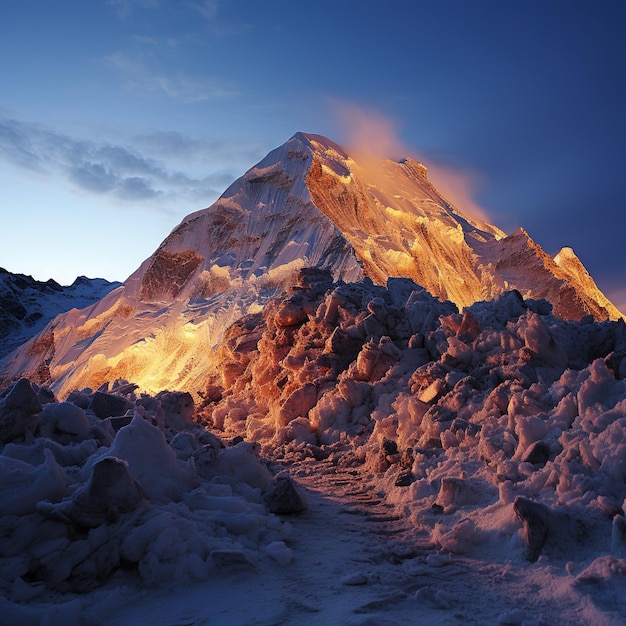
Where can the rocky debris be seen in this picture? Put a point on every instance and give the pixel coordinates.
(110, 492)
(538, 453)
(457, 411)
(473, 425)
(80, 500)
(543, 526)
(178, 409)
(404, 479)
(329, 349)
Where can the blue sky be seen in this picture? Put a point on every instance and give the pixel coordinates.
(120, 117)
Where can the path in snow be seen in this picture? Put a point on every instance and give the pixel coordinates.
(357, 563)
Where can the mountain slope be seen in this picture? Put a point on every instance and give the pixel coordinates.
(309, 202)
(27, 305)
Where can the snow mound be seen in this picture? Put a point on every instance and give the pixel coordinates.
(86, 499)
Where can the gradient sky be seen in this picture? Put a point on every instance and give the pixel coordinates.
(120, 117)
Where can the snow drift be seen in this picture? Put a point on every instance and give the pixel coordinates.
(87, 496)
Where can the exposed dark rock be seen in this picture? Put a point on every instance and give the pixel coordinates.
(319, 454)
(535, 519)
(390, 447)
(120, 422)
(468, 427)
(22, 396)
(315, 279)
(178, 408)
(110, 492)
(27, 305)
(538, 453)
(19, 407)
(168, 273)
(404, 479)
(107, 405)
(283, 498)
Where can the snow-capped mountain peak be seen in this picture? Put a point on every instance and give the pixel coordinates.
(309, 202)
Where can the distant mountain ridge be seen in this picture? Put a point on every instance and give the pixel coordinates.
(309, 202)
(27, 305)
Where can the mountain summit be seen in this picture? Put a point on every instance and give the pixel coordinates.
(309, 202)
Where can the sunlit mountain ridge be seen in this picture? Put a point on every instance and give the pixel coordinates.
(309, 202)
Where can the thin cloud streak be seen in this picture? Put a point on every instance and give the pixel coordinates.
(209, 12)
(124, 8)
(229, 152)
(137, 76)
(105, 168)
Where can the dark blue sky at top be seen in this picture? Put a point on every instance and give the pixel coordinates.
(527, 96)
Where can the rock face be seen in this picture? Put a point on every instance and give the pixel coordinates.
(308, 203)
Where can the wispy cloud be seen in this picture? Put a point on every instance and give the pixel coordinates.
(209, 11)
(138, 75)
(124, 8)
(228, 152)
(125, 172)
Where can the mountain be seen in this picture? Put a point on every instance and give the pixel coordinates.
(27, 305)
(309, 202)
